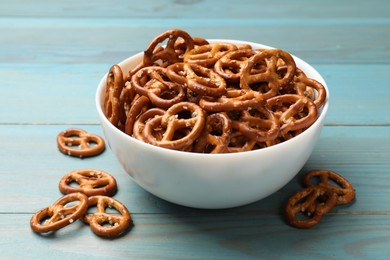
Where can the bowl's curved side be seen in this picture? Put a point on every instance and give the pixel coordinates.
(210, 181)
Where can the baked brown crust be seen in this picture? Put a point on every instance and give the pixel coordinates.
(79, 143)
(91, 182)
(59, 215)
(107, 224)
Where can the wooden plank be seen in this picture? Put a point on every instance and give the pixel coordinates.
(220, 9)
(32, 167)
(44, 93)
(358, 94)
(205, 236)
(83, 41)
(64, 93)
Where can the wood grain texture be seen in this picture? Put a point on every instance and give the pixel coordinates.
(183, 236)
(197, 9)
(83, 41)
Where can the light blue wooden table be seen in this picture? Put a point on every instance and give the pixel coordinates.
(52, 56)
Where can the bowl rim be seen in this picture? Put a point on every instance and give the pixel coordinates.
(320, 119)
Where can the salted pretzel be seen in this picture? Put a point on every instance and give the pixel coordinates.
(153, 82)
(258, 123)
(181, 116)
(323, 190)
(177, 73)
(79, 143)
(139, 124)
(269, 59)
(60, 214)
(107, 224)
(215, 137)
(293, 111)
(114, 86)
(200, 80)
(233, 99)
(230, 65)
(207, 55)
(307, 206)
(167, 95)
(90, 182)
(164, 56)
(331, 181)
(204, 81)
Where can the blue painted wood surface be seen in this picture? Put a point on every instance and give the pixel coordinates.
(52, 56)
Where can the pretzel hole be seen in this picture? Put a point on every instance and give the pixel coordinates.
(234, 114)
(334, 183)
(108, 223)
(180, 49)
(108, 209)
(232, 69)
(216, 132)
(259, 67)
(259, 145)
(73, 145)
(304, 215)
(73, 136)
(91, 209)
(179, 134)
(215, 127)
(281, 71)
(303, 200)
(165, 41)
(168, 94)
(112, 210)
(209, 148)
(158, 133)
(224, 48)
(304, 112)
(280, 108)
(261, 87)
(310, 93)
(92, 144)
(316, 180)
(73, 184)
(257, 114)
(184, 114)
(44, 220)
(71, 204)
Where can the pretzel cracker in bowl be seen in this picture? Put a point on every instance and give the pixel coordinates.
(239, 134)
(216, 77)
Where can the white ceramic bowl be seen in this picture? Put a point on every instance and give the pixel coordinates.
(211, 180)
